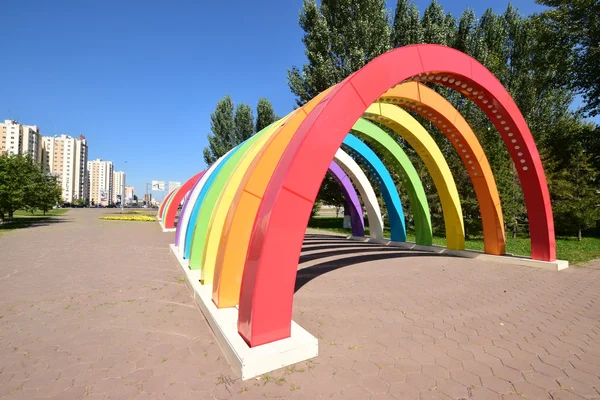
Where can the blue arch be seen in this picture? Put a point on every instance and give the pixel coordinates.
(363, 154)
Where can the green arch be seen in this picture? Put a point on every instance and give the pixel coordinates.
(211, 198)
(401, 163)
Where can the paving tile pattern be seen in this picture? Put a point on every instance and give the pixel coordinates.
(95, 309)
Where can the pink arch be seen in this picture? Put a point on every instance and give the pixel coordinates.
(267, 290)
(171, 211)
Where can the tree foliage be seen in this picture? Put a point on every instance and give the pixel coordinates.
(243, 122)
(573, 36)
(265, 115)
(222, 126)
(24, 186)
(232, 125)
(340, 37)
(531, 56)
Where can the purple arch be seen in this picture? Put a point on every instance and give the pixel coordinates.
(185, 205)
(352, 202)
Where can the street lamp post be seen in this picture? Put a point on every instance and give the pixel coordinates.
(147, 199)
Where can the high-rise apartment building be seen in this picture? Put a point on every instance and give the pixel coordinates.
(67, 158)
(100, 182)
(20, 139)
(118, 187)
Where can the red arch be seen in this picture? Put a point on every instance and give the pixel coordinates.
(171, 211)
(164, 203)
(267, 290)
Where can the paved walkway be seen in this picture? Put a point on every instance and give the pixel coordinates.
(95, 309)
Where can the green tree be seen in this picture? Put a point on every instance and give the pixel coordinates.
(340, 37)
(575, 197)
(223, 136)
(48, 193)
(265, 115)
(19, 184)
(435, 25)
(406, 28)
(574, 25)
(330, 193)
(244, 123)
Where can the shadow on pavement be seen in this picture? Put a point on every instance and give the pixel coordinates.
(305, 275)
(22, 222)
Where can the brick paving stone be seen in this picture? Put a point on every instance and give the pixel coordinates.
(497, 385)
(433, 395)
(530, 391)
(583, 376)
(98, 310)
(374, 384)
(482, 393)
(578, 388)
(564, 395)
(508, 374)
(420, 381)
(403, 391)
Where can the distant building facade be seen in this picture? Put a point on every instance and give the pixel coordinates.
(20, 139)
(118, 188)
(129, 193)
(66, 158)
(100, 182)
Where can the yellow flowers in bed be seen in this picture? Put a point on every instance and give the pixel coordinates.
(144, 218)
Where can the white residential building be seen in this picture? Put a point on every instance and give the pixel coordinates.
(20, 139)
(100, 182)
(66, 158)
(118, 187)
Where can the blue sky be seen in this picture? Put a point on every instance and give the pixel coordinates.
(140, 78)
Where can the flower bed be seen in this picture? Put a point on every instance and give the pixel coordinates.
(143, 218)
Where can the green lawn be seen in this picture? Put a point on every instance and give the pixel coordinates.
(51, 213)
(24, 219)
(567, 248)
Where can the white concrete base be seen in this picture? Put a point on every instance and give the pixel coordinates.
(505, 259)
(247, 362)
(184, 263)
(166, 229)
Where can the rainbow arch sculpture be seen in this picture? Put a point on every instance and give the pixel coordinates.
(168, 209)
(244, 221)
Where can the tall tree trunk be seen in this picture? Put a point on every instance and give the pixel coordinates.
(10, 215)
(579, 235)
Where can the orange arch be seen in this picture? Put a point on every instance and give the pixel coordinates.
(429, 104)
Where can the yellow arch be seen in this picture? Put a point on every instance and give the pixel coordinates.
(231, 257)
(409, 128)
(219, 214)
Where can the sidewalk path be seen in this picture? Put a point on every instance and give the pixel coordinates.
(94, 309)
